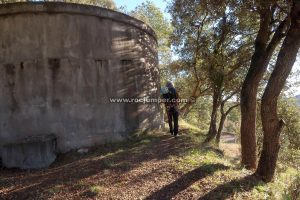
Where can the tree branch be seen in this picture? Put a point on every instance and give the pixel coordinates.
(278, 35)
(199, 31)
(231, 108)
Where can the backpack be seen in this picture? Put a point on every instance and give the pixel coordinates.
(172, 94)
(170, 97)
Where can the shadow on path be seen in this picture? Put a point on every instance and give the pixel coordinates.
(228, 189)
(73, 167)
(186, 181)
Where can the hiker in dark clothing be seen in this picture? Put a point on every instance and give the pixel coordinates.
(171, 103)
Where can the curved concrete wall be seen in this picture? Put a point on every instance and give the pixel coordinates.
(60, 64)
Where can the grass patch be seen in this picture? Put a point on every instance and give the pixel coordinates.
(108, 163)
(184, 125)
(3, 182)
(196, 187)
(96, 189)
(55, 189)
(145, 141)
(80, 185)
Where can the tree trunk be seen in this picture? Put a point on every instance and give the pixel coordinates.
(196, 91)
(213, 119)
(272, 125)
(221, 125)
(248, 118)
(259, 62)
(184, 110)
(223, 118)
(248, 100)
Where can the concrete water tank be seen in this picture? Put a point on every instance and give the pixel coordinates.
(59, 66)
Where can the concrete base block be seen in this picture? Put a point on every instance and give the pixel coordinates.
(30, 153)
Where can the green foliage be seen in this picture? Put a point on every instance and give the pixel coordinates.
(200, 114)
(149, 13)
(284, 187)
(290, 113)
(233, 121)
(289, 154)
(293, 191)
(215, 48)
(183, 79)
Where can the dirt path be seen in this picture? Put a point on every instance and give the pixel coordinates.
(141, 169)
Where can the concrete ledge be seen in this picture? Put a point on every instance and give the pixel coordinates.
(71, 8)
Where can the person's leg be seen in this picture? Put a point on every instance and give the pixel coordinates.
(169, 112)
(175, 118)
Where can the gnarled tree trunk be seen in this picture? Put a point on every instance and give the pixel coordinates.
(272, 125)
(259, 62)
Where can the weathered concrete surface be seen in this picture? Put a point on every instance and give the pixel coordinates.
(30, 153)
(60, 64)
